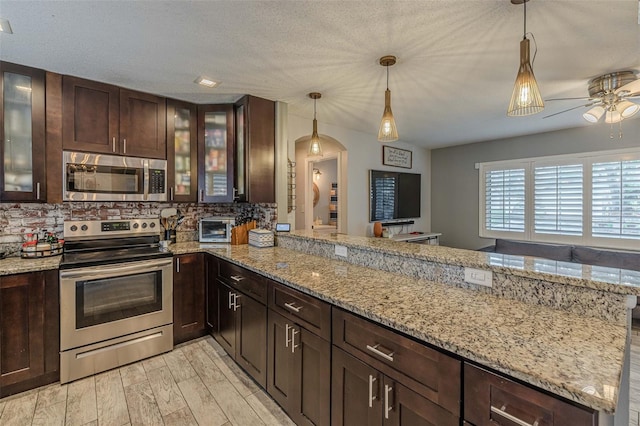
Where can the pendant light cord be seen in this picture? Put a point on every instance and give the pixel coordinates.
(314, 109)
(535, 44)
(525, 20)
(387, 66)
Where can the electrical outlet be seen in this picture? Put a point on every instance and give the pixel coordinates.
(478, 276)
(341, 251)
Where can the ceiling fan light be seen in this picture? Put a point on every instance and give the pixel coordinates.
(594, 114)
(388, 131)
(627, 109)
(612, 116)
(526, 98)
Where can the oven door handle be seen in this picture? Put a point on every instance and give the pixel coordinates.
(116, 269)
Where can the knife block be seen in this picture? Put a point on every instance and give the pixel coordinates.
(240, 233)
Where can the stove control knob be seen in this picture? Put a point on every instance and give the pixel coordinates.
(84, 227)
(144, 225)
(73, 228)
(135, 226)
(152, 225)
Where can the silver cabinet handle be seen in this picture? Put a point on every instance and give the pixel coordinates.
(293, 307)
(510, 417)
(236, 278)
(293, 340)
(378, 352)
(230, 300)
(235, 302)
(113, 144)
(124, 144)
(387, 407)
(371, 395)
(286, 332)
(178, 264)
(171, 193)
(38, 191)
(202, 195)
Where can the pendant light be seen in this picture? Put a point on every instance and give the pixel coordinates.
(388, 131)
(526, 99)
(315, 150)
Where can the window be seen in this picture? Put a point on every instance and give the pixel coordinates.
(590, 199)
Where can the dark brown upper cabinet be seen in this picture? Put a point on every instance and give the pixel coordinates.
(215, 153)
(182, 151)
(98, 117)
(255, 150)
(22, 128)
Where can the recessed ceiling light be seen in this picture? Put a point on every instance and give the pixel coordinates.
(5, 26)
(206, 81)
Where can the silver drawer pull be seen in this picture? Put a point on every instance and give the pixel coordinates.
(512, 418)
(236, 278)
(378, 352)
(235, 302)
(293, 340)
(371, 395)
(293, 307)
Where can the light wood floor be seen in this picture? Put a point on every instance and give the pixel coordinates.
(195, 384)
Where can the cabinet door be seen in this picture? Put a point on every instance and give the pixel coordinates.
(251, 337)
(312, 363)
(404, 407)
(143, 125)
(226, 334)
(89, 116)
(182, 151)
(188, 297)
(211, 272)
(255, 150)
(215, 153)
(22, 129)
(22, 309)
(281, 374)
(356, 397)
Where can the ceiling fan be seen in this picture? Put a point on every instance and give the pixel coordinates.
(609, 96)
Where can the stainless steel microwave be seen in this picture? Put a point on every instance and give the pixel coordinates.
(215, 229)
(99, 177)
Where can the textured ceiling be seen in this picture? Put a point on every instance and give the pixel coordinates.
(457, 59)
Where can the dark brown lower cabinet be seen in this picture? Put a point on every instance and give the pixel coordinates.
(188, 297)
(362, 395)
(490, 399)
(242, 330)
(211, 290)
(299, 371)
(29, 331)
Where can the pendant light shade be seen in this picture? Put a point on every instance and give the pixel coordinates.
(388, 131)
(525, 99)
(315, 149)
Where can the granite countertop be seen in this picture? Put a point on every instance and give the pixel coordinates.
(17, 265)
(613, 280)
(569, 355)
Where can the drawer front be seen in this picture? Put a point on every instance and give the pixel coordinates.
(490, 399)
(311, 313)
(248, 282)
(427, 371)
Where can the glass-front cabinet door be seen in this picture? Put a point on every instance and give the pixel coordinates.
(22, 127)
(182, 151)
(215, 146)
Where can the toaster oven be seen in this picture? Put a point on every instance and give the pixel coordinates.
(215, 229)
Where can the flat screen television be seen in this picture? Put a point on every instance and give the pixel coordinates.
(393, 195)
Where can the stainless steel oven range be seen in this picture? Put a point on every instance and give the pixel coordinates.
(116, 295)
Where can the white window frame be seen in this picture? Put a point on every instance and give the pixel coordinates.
(587, 160)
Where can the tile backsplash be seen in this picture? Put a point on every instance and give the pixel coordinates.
(19, 219)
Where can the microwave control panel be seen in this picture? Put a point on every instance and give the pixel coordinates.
(156, 181)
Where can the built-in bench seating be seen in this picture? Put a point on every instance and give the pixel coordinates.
(567, 253)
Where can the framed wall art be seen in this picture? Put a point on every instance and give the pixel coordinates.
(396, 157)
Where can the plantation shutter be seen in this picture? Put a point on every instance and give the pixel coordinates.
(558, 199)
(504, 200)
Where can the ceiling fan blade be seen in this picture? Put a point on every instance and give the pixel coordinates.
(584, 98)
(633, 87)
(570, 109)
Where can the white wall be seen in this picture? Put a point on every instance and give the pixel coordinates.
(365, 153)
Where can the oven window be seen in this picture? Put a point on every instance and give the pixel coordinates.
(110, 299)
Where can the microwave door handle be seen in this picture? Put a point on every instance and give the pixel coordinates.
(146, 180)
